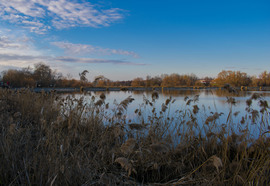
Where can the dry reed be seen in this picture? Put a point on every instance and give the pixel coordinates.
(46, 139)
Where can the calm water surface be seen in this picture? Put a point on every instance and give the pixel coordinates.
(210, 101)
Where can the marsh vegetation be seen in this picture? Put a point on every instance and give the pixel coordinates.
(50, 139)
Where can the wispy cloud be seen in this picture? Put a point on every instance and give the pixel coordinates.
(93, 60)
(6, 43)
(18, 51)
(21, 43)
(12, 44)
(77, 49)
(40, 16)
(16, 57)
(18, 60)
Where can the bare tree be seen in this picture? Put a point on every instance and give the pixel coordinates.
(83, 78)
(43, 74)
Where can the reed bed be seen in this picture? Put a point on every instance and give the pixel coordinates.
(46, 139)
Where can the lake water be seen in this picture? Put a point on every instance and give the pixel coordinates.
(209, 102)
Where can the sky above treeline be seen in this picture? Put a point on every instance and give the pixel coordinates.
(125, 39)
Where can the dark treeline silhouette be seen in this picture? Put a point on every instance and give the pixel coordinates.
(43, 76)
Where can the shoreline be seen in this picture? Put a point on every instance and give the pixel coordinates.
(94, 89)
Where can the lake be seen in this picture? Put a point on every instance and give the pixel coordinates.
(208, 101)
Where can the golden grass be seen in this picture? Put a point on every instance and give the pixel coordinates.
(46, 139)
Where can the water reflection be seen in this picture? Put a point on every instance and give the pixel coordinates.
(187, 92)
(209, 103)
(216, 100)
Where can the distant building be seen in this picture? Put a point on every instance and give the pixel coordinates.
(206, 82)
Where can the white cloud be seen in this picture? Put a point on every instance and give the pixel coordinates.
(7, 58)
(17, 44)
(8, 43)
(19, 60)
(17, 50)
(93, 60)
(41, 15)
(77, 49)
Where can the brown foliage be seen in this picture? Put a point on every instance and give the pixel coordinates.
(234, 78)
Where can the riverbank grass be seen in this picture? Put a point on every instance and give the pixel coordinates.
(50, 140)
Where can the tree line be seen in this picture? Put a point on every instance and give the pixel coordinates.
(43, 76)
(237, 79)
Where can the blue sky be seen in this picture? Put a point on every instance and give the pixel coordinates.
(125, 39)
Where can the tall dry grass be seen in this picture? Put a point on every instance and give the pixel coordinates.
(50, 140)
